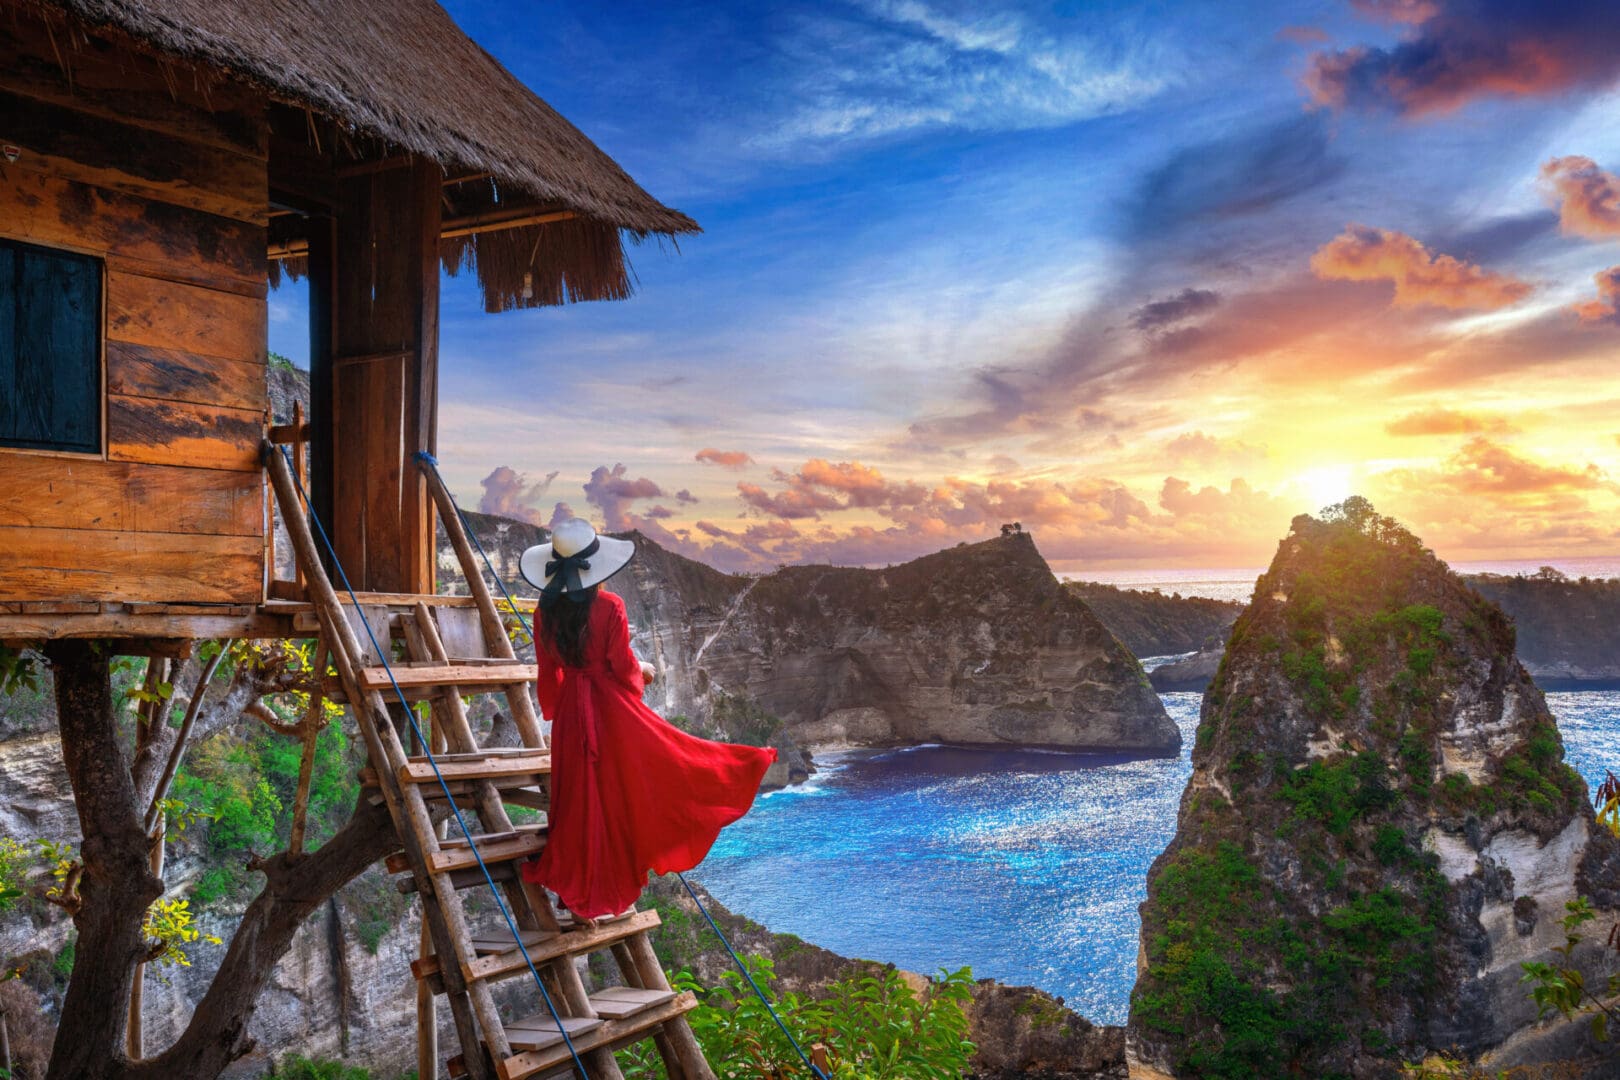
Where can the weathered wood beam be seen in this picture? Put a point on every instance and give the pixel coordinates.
(465, 225)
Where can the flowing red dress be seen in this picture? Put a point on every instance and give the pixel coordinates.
(629, 791)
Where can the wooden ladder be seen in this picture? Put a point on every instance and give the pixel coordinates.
(452, 651)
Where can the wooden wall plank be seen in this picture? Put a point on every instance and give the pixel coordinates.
(75, 493)
(181, 433)
(145, 371)
(162, 239)
(94, 150)
(172, 315)
(111, 82)
(92, 564)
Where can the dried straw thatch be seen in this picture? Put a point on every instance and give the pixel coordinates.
(402, 72)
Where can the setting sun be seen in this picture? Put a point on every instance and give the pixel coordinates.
(1325, 485)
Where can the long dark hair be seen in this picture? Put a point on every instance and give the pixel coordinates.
(564, 620)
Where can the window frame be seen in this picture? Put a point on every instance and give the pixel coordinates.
(100, 453)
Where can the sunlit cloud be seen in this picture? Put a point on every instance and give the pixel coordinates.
(1587, 197)
(1362, 253)
(1606, 308)
(726, 459)
(1443, 421)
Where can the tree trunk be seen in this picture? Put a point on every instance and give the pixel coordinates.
(296, 887)
(118, 884)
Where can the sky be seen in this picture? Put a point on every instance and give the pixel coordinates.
(1148, 278)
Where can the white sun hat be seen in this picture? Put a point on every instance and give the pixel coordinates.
(576, 559)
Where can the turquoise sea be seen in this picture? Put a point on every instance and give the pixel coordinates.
(1026, 866)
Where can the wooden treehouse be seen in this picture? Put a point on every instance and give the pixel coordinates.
(160, 162)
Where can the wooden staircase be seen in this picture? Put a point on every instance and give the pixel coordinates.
(451, 652)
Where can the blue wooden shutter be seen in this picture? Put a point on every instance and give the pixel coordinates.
(50, 349)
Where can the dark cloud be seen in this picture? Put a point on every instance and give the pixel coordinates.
(1239, 174)
(510, 494)
(612, 491)
(1498, 238)
(685, 496)
(659, 512)
(1157, 314)
(1458, 51)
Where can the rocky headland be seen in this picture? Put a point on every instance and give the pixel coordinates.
(1379, 829)
(975, 645)
(1569, 629)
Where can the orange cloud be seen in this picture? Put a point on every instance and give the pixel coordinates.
(1587, 197)
(790, 503)
(1485, 467)
(1606, 308)
(1443, 421)
(726, 459)
(1362, 253)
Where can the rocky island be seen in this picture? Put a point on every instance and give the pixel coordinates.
(1379, 829)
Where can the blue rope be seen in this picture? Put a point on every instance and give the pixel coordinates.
(427, 746)
(432, 463)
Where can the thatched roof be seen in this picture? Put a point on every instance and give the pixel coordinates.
(401, 71)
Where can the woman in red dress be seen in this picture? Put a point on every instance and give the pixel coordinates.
(629, 791)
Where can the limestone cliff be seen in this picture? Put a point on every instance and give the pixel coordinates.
(1568, 630)
(1378, 830)
(1152, 623)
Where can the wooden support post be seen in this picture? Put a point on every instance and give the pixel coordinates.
(678, 1031)
(386, 299)
(310, 730)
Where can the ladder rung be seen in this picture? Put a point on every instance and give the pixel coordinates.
(419, 770)
(509, 849)
(611, 1035)
(540, 1031)
(622, 1002)
(497, 941)
(472, 878)
(501, 965)
(459, 675)
(490, 838)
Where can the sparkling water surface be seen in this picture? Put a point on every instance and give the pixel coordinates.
(1027, 866)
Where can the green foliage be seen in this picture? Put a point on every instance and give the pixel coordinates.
(1336, 794)
(1560, 986)
(298, 1067)
(874, 1027)
(19, 670)
(16, 859)
(215, 883)
(245, 782)
(742, 720)
(169, 927)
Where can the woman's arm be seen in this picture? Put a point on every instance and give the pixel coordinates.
(621, 661)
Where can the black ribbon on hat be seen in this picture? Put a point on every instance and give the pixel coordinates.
(562, 574)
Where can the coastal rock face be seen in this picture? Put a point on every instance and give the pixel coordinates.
(1568, 630)
(1151, 623)
(975, 645)
(1378, 830)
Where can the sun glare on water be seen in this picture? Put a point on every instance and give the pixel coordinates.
(1325, 485)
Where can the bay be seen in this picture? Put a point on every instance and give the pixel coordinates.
(1027, 866)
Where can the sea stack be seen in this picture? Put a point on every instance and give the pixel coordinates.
(1379, 830)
